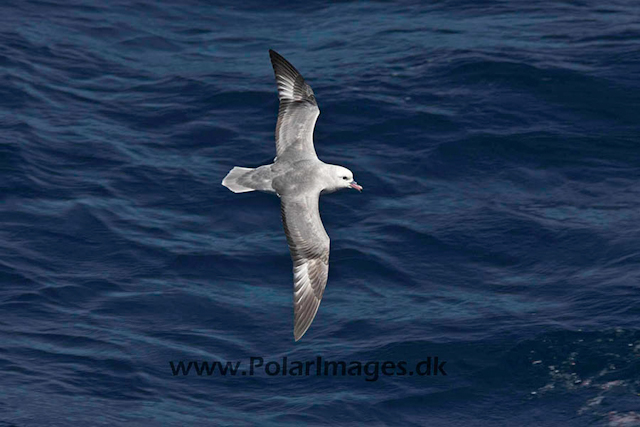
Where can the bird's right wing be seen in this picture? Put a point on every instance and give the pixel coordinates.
(298, 111)
(309, 247)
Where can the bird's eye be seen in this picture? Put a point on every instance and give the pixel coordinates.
(344, 177)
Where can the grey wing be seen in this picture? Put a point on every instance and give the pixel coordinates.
(298, 111)
(309, 247)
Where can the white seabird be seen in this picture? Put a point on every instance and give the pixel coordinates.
(298, 177)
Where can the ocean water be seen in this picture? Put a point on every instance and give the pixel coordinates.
(499, 227)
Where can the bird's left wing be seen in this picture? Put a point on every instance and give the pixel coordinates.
(298, 111)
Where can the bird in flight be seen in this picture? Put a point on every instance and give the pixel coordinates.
(298, 177)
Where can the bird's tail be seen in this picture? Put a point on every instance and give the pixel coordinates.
(234, 178)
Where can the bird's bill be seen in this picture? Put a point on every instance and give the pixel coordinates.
(355, 185)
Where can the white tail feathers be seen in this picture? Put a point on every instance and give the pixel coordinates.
(231, 180)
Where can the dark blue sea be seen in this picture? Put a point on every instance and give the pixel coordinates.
(498, 230)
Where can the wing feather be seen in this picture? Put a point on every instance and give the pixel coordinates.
(297, 113)
(309, 246)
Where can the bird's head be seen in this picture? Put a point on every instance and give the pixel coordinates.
(340, 178)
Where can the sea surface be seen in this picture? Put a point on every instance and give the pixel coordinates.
(498, 230)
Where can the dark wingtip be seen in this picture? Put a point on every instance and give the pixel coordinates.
(275, 55)
(280, 64)
(291, 84)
